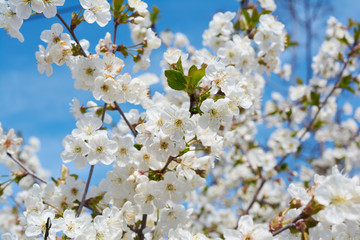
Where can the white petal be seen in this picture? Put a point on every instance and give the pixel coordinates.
(89, 16)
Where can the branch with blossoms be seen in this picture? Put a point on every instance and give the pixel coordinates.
(183, 164)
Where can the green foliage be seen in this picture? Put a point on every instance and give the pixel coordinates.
(345, 83)
(154, 15)
(175, 79)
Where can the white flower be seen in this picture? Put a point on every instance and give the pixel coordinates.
(71, 225)
(50, 7)
(44, 61)
(171, 56)
(36, 224)
(9, 142)
(173, 216)
(85, 70)
(181, 40)
(102, 150)
(9, 236)
(105, 89)
(215, 114)
(171, 187)
(10, 21)
(96, 10)
(248, 230)
(153, 42)
(87, 127)
(23, 8)
(340, 195)
(126, 150)
(140, 6)
(268, 5)
(112, 64)
(297, 92)
(221, 23)
(162, 147)
(76, 150)
(75, 108)
(270, 25)
(147, 195)
(55, 35)
(166, 37)
(177, 123)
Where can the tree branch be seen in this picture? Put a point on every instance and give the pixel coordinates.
(72, 34)
(290, 225)
(124, 117)
(83, 200)
(82, 203)
(26, 169)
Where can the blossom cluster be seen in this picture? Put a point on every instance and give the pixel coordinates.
(190, 164)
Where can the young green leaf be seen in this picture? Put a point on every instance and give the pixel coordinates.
(175, 79)
(117, 4)
(196, 76)
(179, 66)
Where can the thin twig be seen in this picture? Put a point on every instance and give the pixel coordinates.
(255, 196)
(85, 191)
(115, 33)
(47, 228)
(170, 159)
(103, 115)
(124, 117)
(72, 34)
(27, 170)
(308, 127)
(83, 200)
(290, 225)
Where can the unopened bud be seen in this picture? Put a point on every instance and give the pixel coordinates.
(295, 203)
(139, 20)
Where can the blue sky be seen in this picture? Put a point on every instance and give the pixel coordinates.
(38, 105)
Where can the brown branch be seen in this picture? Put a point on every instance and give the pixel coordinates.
(124, 117)
(263, 181)
(72, 34)
(290, 225)
(302, 135)
(26, 169)
(115, 33)
(83, 200)
(82, 203)
(170, 159)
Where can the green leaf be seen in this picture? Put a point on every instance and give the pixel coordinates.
(288, 113)
(179, 66)
(357, 33)
(318, 124)
(154, 16)
(284, 167)
(255, 16)
(315, 98)
(247, 16)
(243, 25)
(311, 222)
(191, 69)
(138, 146)
(117, 4)
(175, 79)
(350, 89)
(289, 43)
(265, 12)
(299, 81)
(345, 82)
(344, 41)
(196, 76)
